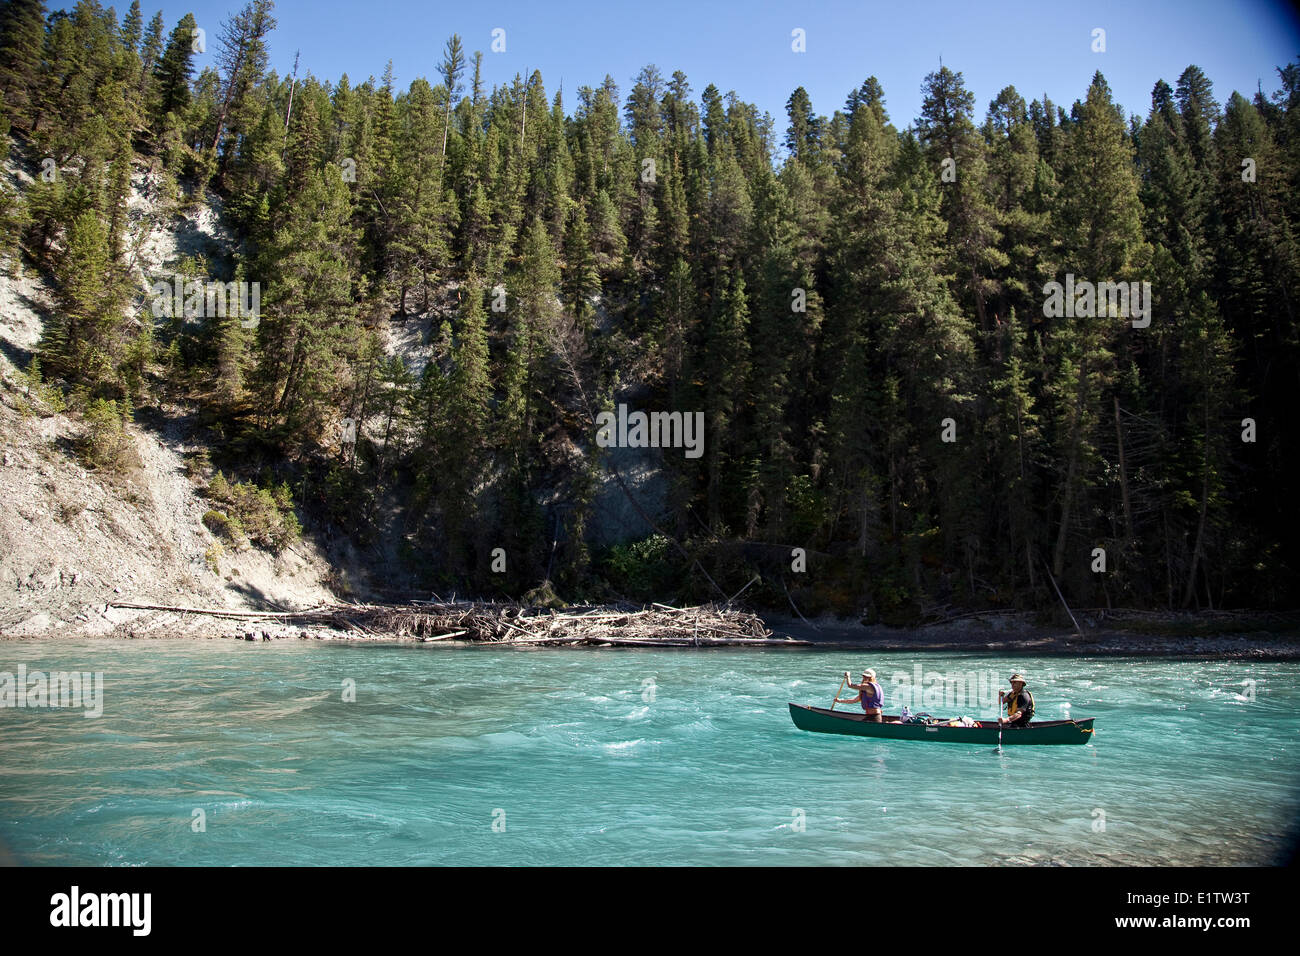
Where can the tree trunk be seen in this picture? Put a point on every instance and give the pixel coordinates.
(1205, 506)
(1067, 499)
(862, 520)
(1123, 475)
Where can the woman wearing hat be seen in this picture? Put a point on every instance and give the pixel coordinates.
(1019, 704)
(870, 695)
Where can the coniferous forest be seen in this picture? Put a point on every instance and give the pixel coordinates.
(858, 304)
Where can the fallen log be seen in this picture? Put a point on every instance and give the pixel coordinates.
(501, 622)
(215, 612)
(443, 637)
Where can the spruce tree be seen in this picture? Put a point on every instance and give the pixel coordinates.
(22, 36)
(172, 72)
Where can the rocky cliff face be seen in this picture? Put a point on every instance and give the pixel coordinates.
(73, 540)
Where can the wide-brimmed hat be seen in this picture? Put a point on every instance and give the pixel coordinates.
(869, 673)
(1016, 677)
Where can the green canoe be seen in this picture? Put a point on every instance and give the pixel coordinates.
(824, 721)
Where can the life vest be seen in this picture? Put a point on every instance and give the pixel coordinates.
(1013, 708)
(876, 700)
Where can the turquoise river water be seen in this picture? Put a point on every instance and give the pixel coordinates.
(221, 753)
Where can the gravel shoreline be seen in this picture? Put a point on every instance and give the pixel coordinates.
(1003, 634)
(997, 633)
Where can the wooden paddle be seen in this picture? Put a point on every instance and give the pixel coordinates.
(837, 693)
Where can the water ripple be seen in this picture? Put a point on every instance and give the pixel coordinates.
(494, 755)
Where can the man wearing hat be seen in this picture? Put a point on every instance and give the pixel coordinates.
(1019, 703)
(870, 695)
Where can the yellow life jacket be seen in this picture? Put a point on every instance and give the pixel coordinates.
(1012, 707)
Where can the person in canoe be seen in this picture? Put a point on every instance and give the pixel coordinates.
(1019, 704)
(870, 696)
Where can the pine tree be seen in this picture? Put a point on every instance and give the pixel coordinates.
(151, 48)
(78, 345)
(241, 59)
(607, 239)
(471, 380)
(173, 70)
(418, 246)
(724, 369)
(132, 27)
(1100, 224)
(1200, 114)
(451, 68)
(804, 132)
(310, 325)
(1257, 275)
(581, 277)
(645, 122)
(952, 144)
(1015, 437)
(22, 36)
(1017, 177)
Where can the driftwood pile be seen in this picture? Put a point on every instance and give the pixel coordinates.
(657, 625)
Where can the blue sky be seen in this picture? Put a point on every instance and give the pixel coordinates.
(1039, 48)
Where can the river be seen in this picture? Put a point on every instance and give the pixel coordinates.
(217, 753)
